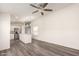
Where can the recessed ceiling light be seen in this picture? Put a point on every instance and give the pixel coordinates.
(29, 18)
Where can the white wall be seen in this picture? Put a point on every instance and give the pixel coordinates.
(60, 27)
(4, 31)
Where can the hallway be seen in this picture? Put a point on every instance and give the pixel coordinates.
(38, 48)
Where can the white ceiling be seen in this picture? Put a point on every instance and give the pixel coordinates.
(19, 10)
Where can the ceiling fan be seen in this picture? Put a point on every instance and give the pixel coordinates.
(40, 8)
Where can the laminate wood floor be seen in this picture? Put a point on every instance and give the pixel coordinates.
(38, 48)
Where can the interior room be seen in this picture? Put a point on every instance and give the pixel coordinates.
(39, 29)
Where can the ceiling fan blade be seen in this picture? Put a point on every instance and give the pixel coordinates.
(48, 10)
(42, 13)
(44, 5)
(34, 6)
(35, 11)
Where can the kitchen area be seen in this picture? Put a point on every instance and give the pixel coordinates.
(23, 30)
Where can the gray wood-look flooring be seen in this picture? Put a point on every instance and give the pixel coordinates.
(38, 48)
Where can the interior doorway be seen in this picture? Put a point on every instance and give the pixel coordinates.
(16, 33)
